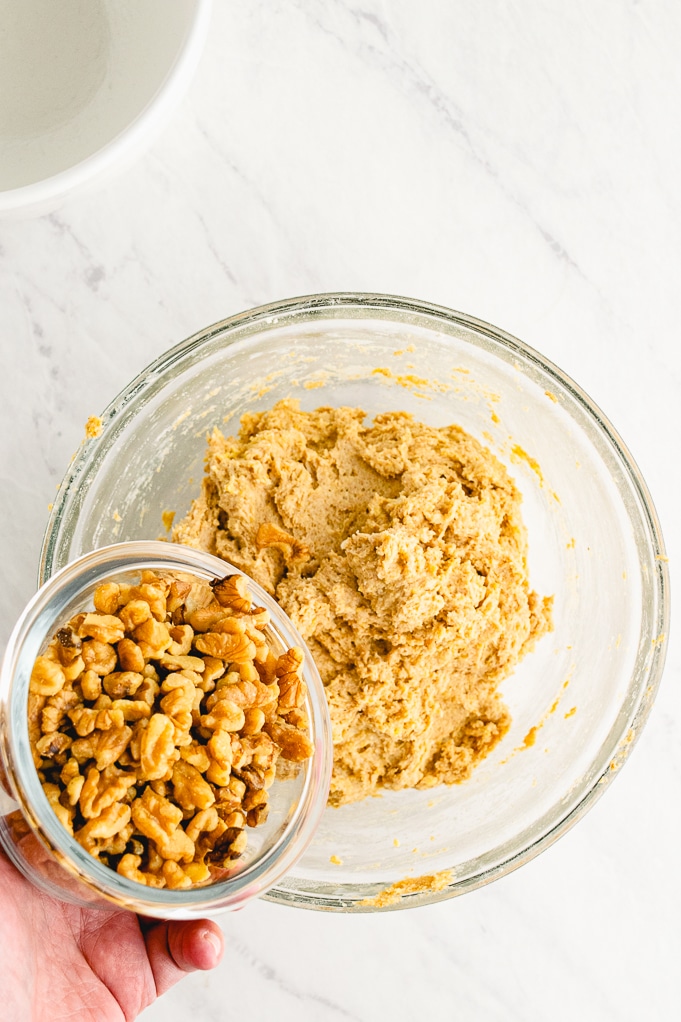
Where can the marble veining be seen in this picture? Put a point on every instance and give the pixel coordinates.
(519, 161)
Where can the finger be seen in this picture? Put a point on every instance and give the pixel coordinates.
(195, 945)
(177, 948)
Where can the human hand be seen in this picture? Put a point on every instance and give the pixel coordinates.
(63, 962)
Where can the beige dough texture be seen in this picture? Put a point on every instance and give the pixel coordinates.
(399, 552)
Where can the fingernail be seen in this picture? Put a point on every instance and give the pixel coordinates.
(214, 942)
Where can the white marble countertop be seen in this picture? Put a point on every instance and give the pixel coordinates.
(518, 161)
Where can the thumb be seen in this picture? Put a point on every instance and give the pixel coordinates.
(177, 948)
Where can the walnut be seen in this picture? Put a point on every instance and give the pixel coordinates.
(73, 781)
(135, 613)
(249, 671)
(189, 788)
(157, 747)
(298, 718)
(206, 820)
(107, 598)
(131, 709)
(295, 746)
(197, 871)
(232, 591)
(102, 789)
(34, 713)
(182, 636)
(254, 798)
(159, 820)
(169, 662)
(47, 678)
(110, 745)
(214, 669)
(248, 694)
(175, 877)
(177, 594)
(120, 684)
(254, 719)
(203, 619)
(102, 628)
(261, 750)
(65, 646)
(74, 670)
(226, 646)
(292, 692)
(152, 637)
(226, 715)
(74, 788)
(197, 755)
(65, 815)
(238, 844)
(235, 820)
(56, 708)
(230, 625)
(268, 669)
(109, 822)
(129, 866)
(148, 690)
(130, 656)
(256, 816)
(154, 593)
(178, 701)
(51, 745)
(293, 550)
(90, 685)
(220, 750)
(84, 720)
(84, 749)
(99, 657)
(289, 662)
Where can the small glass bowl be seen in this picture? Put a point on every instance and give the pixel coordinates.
(578, 701)
(31, 834)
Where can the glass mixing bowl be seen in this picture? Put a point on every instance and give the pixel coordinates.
(578, 701)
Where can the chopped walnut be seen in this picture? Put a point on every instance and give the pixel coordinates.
(156, 723)
(102, 627)
(292, 549)
(99, 657)
(232, 592)
(232, 648)
(47, 678)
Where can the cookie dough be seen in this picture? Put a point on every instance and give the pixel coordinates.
(399, 551)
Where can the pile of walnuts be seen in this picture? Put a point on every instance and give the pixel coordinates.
(157, 721)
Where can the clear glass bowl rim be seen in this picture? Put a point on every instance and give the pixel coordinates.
(644, 682)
